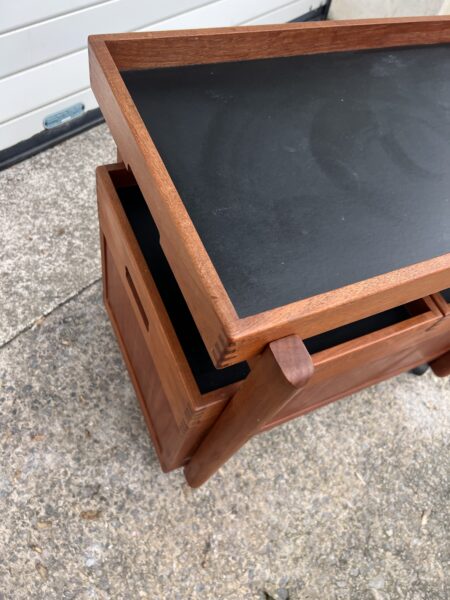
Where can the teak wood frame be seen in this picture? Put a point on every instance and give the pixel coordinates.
(228, 338)
(202, 431)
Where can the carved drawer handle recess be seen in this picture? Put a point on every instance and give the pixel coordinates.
(136, 297)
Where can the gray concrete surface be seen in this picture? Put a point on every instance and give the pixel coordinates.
(48, 229)
(351, 502)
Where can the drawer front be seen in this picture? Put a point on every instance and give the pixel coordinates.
(364, 361)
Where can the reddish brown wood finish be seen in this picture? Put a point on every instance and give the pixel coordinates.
(442, 304)
(228, 338)
(441, 365)
(347, 368)
(284, 367)
(176, 413)
(137, 151)
(200, 46)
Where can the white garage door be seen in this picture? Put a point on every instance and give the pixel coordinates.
(43, 56)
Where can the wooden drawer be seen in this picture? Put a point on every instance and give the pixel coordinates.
(180, 390)
(442, 299)
(394, 341)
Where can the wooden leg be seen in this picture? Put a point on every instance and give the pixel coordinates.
(284, 367)
(441, 366)
(119, 157)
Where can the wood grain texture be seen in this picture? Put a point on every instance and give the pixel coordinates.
(351, 366)
(371, 374)
(200, 46)
(441, 365)
(282, 369)
(176, 413)
(173, 442)
(284, 383)
(207, 300)
(442, 304)
(230, 339)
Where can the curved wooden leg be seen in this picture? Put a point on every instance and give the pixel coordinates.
(284, 367)
(441, 366)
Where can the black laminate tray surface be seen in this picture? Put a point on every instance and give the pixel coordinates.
(308, 173)
(207, 376)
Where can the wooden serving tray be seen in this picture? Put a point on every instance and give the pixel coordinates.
(297, 174)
